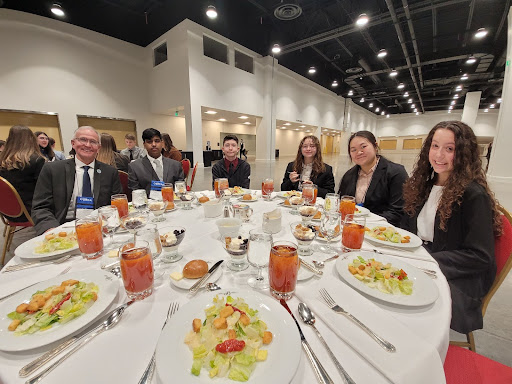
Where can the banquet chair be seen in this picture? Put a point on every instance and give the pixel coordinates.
(503, 256)
(123, 178)
(189, 187)
(185, 163)
(11, 206)
(466, 367)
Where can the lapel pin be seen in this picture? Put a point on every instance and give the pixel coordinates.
(98, 170)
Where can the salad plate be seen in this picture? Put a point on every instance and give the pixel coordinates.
(414, 242)
(287, 194)
(108, 286)
(27, 249)
(361, 211)
(424, 291)
(174, 358)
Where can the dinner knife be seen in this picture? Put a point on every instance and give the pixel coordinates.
(321, 374)
(43, 359)
(412, 256)
(193, 290)
(311, 267)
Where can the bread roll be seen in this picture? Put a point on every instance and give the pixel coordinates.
(247, 197)
(203, 199)
(195, 269)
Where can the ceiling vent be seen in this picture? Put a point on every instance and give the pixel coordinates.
(354, 70)
(288, 11)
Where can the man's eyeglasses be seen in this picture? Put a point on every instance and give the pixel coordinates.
(85, 141)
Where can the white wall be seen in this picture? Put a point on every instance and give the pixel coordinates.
(360, 119)
(174, 126)
(287, 141)
(212, 132)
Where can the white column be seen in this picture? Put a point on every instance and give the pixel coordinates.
(471, 105)
(499, 173)
(266, 130)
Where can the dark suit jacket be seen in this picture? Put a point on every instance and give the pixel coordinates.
(240, 177)
(24, 181)
(324, 181)
(465, 253)
(141, 173)
(54, 189)
(385, 193)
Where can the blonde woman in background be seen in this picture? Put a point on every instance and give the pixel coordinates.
(108, 153)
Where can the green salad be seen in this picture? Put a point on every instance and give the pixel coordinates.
(389, 234)
(384, 277)
(57, 242)
(56, 304)
(229, 341)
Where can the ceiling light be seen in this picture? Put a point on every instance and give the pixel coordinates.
(371, 105)
(413, 106)
(459, 88)
(401, 86)
(382, 53)
(481, 32)
(406, 94)
(302, 126)
(211, 112)
(243, 117)
(296, 129)
(335, 84)
(247, 123)
(499, 101)
(57, 10)
(377, 109)
(393, 73)
(362, 100)
(450, 107)
(222, 119)
(286, 124)
(453, 102)
(464, 77)
(415, 110)
(409, 101)
(486, 110)
(456, 96)
(211, 12)
(382, 113)
(276, 48)
(491, 106)
(312, 70)
(387, 116)
(362, 20)
(350, 93)
(471, 60)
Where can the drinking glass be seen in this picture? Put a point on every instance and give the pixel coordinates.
(332, 202)
(171, 238)
(242, 212)
(267, 187)
(237, 248)
(353, 233)
(134, 221)
(157, 208)
(309, 193)
(139, 199)
(304, 234)
(186, 198)
(347, 206)
(168, 195)
(150, 234)
(258, 256)
(120, 201)
(137, 269)
(283, 269)
(307, 211)
(223, 184)
(89, 236)
(330, 228)
(216, 188)
(110, 222)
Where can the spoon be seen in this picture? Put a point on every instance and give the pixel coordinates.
(309, 318)
(212, 287)
(116, 271)
(321, 264)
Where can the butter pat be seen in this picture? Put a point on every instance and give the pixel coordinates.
(177, 276)
(113, 253)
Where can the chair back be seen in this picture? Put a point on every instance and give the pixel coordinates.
(123, 178)
(189, 188)
(185, 163)
(11, 204)
(502, 254)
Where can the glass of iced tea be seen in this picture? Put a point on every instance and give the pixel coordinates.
(347, 206)
(120, 201)
(168, 195)
(283, 269)
(267, 187)
(137, 269)
(223, 184)
(353, 233)
(216, 188)
(89, 236)
(309, 193)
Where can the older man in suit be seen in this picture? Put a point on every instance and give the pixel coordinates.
(60, 183)
(153, 166)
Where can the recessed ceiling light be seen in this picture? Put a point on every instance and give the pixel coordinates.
(401, 86)
(335, 84)
(311, 70)
(382, 113)
(486, 110)
(57, 10)
(456, 96)
(308, 131)
(382, 53)
(211, 112)
(491, 106)
(413, 106)
(302, 126)
(351, 93)
(362, 20)
(393, 73)
(406, 94)
(459, 88)
(211, 12)
(417, 113)
(371, 105)
(464, 77)
(276, 48)
(409, 101)
(377, 109)
(222, 119)
(499, 101)
(450, 107)
(247, 123)
(286, 124)
(481, 32)
(362, 100)
(453, 102)
(296, 129)
(243, 117)
(387, 116)
(471, 60)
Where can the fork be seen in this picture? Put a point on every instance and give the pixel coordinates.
(150, 369)
(19, 267)
(336, 308)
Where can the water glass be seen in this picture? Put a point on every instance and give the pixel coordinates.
(137, 269)
(330, 228)
(258, 256)
(242, 212)
(89, 236)
(139, 199)
(332, 202)
(353, 233)
(283, 269)
(150, 234)
(110, 222)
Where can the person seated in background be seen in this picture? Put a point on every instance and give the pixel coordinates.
(61, 183)
(2, 145)
(132, 151)
(169, 150)
(237, 171)
(20, 164)
(153, 166)
(44, 145)
(309, 168)
(375, 181)
(58, 154)
(108, 153)
(449, 205)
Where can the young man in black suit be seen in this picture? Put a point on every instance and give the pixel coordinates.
(237, 171)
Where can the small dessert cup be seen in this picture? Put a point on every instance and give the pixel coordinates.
(171, 238)
(304, 234)
(237, 248)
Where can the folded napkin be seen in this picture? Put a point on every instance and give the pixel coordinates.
(415, 360)
(14, 281)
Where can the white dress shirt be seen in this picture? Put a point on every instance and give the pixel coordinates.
(78, 186)
(427, 217)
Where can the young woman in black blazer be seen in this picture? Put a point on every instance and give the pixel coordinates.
(375, 181)
(309, 167)
(450, 206)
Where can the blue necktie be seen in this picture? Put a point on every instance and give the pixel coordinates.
(86, 186)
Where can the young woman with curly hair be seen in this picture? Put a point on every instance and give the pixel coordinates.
(308, 167)
(450, 206)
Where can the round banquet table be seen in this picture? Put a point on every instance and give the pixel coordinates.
(121, 354)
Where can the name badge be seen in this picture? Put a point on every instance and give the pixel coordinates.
(156, 190)
(83, 206)
(360, 205)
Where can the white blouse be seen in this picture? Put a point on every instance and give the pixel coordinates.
(426, 218)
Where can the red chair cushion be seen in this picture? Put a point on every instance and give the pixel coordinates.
(503, 245)
(463, 366)
(185, 163)
(123, 178)
(9, 205)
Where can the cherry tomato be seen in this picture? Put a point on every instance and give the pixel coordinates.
(232, 345)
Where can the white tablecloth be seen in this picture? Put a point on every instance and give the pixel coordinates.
(121, 354)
